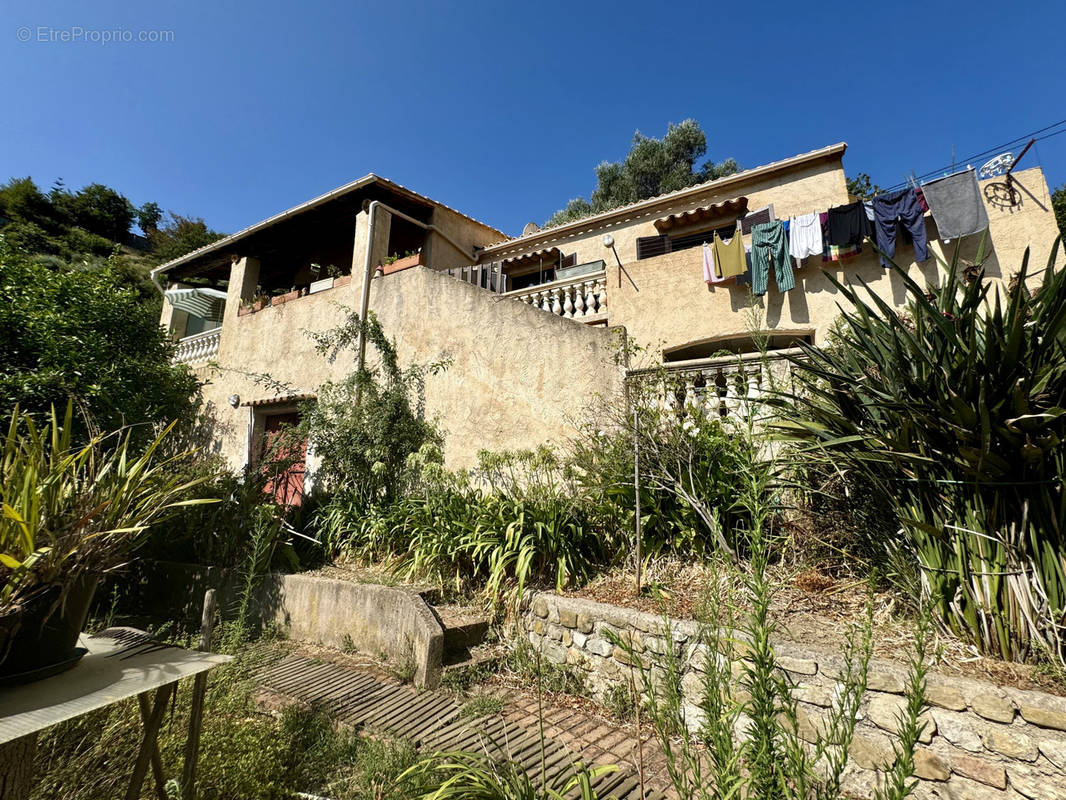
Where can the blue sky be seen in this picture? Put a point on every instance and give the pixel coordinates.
(503, 110)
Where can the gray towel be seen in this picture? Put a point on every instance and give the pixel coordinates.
(956, 204)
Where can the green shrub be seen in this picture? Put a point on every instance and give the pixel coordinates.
(367, 424)
(468, 538)
(691, 465)
(956, 411)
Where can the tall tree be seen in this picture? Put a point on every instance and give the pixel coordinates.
(1058, 202)
(180, 235)
(652, 167)
(84, 334)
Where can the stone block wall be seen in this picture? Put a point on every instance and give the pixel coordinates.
(981, 741)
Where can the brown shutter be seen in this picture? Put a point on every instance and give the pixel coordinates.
(649, 246)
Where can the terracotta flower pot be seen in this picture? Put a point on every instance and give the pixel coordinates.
(403, 263)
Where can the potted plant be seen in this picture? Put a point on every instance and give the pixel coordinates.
(257, 303)
(396, 263)
(71, 514)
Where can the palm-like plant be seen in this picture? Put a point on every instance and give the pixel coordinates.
(70, 511)
(957, 410)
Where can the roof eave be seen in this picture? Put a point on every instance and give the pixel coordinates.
(605, 218)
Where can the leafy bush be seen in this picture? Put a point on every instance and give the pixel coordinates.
(365, 425)
(81, 334)
(467, 538)
(956, 411)
(691, 466)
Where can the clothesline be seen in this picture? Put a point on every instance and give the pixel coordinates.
(991, 151)
(839, 233)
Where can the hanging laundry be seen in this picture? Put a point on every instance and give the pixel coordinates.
(957, 205)
(729, 256)
(833, 252)
(921, 199)
(904, 207)
(848, 225)
(744, 279)
(710, 268)
(768, 247)
(805, 236)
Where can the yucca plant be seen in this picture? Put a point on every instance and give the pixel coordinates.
(72, 512)
(956, 408)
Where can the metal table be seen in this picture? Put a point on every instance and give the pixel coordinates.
(121, 663)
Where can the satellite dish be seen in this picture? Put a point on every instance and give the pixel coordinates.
(997, 166)
(531, 227)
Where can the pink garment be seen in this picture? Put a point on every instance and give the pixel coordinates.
(710, 269)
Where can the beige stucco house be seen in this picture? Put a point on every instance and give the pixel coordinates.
(529, 325)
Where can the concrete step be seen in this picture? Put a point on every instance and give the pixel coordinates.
(478, 661)
(464, 628)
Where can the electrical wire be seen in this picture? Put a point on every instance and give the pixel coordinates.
(997, 149)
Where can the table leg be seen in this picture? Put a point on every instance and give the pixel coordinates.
(148, 743)
(157, 762)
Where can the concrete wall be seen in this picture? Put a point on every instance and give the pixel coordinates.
(374, 619)
(517, 377)
(982, 741)
(378, 620)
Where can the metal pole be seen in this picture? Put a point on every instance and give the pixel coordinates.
(636, 490)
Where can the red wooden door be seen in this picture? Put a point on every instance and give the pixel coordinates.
(284, 460)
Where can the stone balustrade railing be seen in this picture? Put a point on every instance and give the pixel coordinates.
(583, 299)
(198, 347)
(718, 386)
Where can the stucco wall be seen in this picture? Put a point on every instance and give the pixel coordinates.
(982, 741)
(671, 306)
(793, 191)
(517, 377)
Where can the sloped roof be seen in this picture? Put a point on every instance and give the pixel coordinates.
(341, 191)
(589, 224)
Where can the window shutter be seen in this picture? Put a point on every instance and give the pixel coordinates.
(650, 246)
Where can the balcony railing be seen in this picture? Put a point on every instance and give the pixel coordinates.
(198, 348)
(720, 386)
(583, 299)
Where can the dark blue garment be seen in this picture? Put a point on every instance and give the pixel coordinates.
(903, 206)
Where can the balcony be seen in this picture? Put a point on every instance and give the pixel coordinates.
(198, 348)
(582, 299)
(722, 386)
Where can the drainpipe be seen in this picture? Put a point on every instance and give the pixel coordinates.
(154, 275)
(364, 301)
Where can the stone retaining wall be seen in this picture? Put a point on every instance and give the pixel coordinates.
(982, 741)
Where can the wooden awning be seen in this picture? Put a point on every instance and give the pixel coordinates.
(711, 213)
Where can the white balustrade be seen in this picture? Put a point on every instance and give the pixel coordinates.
(717, 387)
(198, 347)
(583, 299)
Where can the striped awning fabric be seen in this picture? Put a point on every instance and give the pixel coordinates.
(198, 302)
